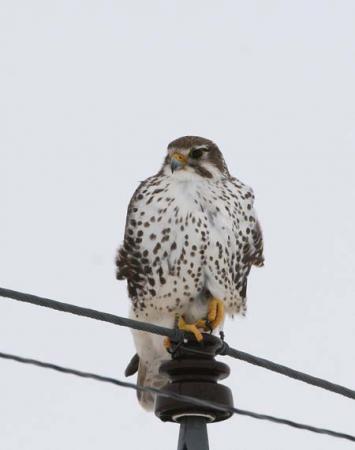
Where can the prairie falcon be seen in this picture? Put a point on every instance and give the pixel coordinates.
(191, 238)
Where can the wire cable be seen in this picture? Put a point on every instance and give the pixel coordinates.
(225, 350)
(179, 397)
(173, 334)
(177, 336)
(291, 373)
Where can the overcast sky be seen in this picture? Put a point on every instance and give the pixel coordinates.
(91, 93)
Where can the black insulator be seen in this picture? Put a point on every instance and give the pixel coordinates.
(194, 372)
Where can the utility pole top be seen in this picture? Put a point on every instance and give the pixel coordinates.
(193, 371)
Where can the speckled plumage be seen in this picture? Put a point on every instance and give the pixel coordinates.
(190, 235)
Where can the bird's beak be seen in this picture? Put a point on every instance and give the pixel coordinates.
(178, 161)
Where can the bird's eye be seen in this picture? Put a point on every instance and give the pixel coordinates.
(196, 153)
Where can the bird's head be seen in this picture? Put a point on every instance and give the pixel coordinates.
(195, 155)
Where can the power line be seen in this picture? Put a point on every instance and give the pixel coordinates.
(183, 398)
(173, 334)
(225, 350)
(177, 336)
(291, 373)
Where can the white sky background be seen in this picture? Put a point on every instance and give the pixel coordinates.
(91, 93)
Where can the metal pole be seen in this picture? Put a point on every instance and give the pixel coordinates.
(193, 433)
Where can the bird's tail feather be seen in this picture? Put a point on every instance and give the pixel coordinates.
(149, 376)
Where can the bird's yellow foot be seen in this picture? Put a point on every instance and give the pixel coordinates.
(215, 318)
(167, 343)
(192, 328)
(215, 313)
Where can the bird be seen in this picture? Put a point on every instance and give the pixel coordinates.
(191, 238)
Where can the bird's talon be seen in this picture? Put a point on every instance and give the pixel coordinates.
(208, 326)
(190, 327)
(167, 343)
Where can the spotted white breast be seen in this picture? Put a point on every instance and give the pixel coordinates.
(188, 237)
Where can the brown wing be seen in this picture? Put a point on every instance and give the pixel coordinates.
(128, 259)
(258, 254)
